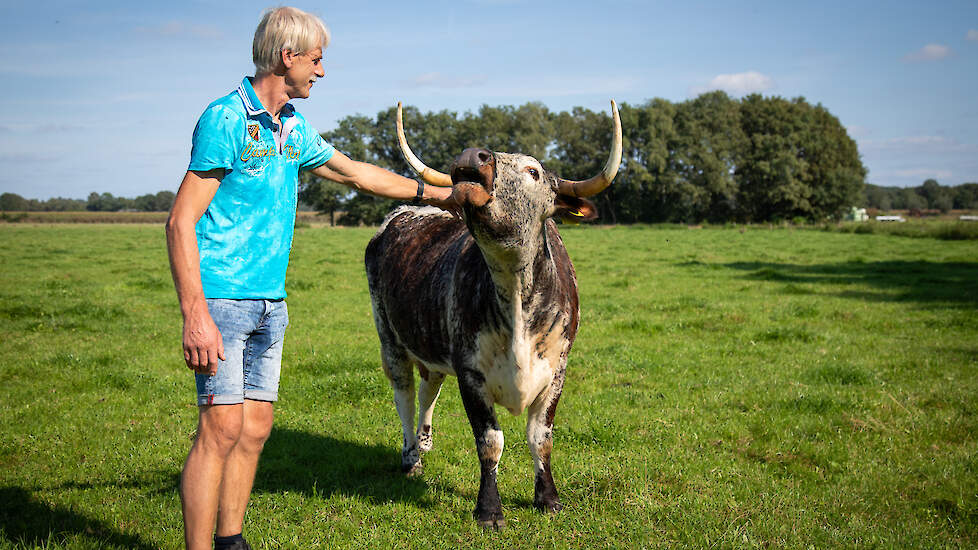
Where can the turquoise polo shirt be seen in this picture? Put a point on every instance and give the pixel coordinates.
(245, 236)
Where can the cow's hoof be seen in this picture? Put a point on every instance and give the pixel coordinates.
(493, 523)
(548, 506)
(412, 470)
(489, 519)
(411, 461)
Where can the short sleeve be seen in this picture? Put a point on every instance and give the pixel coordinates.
(317, 152)
(215, 139)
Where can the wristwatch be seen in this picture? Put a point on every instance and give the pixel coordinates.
(417, 198)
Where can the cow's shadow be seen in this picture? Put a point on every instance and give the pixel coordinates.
(320, 465)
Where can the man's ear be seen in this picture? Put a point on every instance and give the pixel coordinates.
(574, 209)
(288, 58)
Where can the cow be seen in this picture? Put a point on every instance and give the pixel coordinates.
(492, 301)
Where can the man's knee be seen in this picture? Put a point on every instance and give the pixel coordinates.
(220, 428)
(257, 424)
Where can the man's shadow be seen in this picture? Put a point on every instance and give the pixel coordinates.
(26, 521)
(307, 463)
(321, 465)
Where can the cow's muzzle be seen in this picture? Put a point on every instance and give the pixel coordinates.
(475, 166)
(473, 173)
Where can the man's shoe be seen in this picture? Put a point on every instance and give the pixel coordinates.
(234, 542)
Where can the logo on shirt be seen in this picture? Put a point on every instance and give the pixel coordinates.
(291, 152)
(256, 151)
(254, 130)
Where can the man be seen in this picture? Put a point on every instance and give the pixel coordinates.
(229, 235)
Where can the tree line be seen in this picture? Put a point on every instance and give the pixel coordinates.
(929, 196)
(713, 158)
(96, 202)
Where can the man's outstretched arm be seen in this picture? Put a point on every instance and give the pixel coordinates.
(202, 342)
(374, 180)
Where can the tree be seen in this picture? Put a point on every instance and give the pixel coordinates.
(930, 190)
(642, 190)
(799, 162)
(912, 200)
(144, 203)
(709, 145)
(60, 204)
(363, 209)
(936, 196)
(965, 196)
(105, 202)
(163, 201)
(12, 202)
(837, 173)
(772, 173)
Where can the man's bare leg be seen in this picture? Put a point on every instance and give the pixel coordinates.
(239, 471)
(218, 432)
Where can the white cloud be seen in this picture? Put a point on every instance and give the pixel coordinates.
(930, 52)
(736, 84)
(438, 80)
(972, 34)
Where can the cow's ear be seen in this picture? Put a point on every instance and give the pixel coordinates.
(574, 209)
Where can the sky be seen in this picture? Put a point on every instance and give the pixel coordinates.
(103, 96)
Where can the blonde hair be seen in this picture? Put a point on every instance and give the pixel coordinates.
(286, 28)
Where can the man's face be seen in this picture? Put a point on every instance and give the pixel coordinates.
(305, 69)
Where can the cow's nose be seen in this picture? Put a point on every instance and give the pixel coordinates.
(475, 157)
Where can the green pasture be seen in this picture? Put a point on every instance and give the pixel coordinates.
(729, 388)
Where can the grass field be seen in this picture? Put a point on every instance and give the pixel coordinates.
(729, 388)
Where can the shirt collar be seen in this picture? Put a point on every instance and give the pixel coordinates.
(253, 104)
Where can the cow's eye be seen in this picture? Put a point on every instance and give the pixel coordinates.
(533, 172)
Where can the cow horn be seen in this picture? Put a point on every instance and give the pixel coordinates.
(429, 175)
(597, 184)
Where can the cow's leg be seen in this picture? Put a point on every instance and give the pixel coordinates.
(427, 395)
(399, 370)
(539, 436)
(489, 444)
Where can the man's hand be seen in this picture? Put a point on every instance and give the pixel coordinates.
(202, 342)
(445, 199)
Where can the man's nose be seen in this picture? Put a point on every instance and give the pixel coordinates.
(320, 71)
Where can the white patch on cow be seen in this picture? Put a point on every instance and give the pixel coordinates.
(416, 211)
(515, 374)
(428, 391)
(539, 436)
(410, 455)
(493, 448)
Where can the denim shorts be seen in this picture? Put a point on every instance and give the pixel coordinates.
(253, 332)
